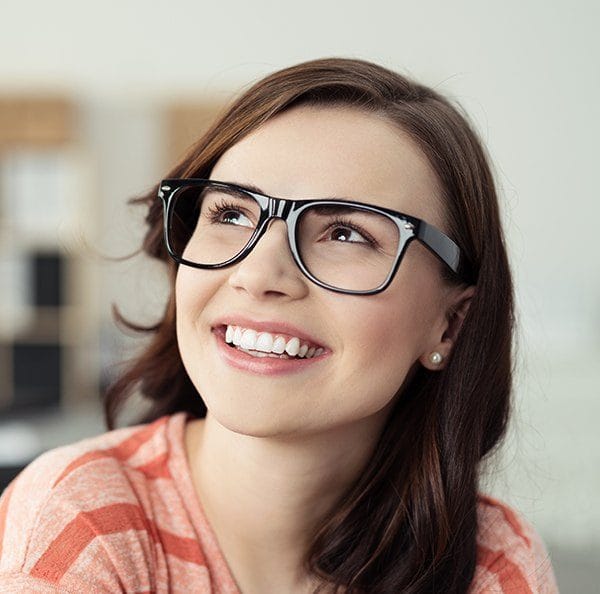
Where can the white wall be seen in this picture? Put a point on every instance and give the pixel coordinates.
(527, 72)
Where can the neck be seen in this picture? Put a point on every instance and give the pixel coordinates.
(265, 497)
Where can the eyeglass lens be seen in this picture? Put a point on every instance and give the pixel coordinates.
(343, 246)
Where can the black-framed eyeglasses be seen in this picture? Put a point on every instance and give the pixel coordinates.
(341, 245)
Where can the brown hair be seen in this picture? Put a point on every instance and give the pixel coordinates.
(409, 522)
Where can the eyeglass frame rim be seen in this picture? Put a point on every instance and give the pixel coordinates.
(409, 229)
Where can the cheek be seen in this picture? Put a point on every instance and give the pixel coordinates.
(187, 306)
(384, 344)
(193, 290)
(392, 328)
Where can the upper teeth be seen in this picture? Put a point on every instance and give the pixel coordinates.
(249, 339)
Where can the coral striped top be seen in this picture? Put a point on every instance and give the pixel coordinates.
(118, 513)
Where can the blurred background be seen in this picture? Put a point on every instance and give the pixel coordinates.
(98, 100)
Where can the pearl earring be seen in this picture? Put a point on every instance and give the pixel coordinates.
(435, 358)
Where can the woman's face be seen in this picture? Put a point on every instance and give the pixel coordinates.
(371, 343)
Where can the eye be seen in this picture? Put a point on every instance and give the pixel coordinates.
(228, 214)
(348, 232)
(235, 218)
(347, 235)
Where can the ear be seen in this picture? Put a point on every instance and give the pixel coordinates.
(455, 315)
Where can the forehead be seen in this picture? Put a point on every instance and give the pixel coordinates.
(335, 152)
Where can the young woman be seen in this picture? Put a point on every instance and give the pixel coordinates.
(332, 368)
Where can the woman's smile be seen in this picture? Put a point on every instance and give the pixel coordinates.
(248, 347)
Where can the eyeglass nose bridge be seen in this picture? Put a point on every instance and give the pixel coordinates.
(287, 211)
(275, 208)
(279, 208)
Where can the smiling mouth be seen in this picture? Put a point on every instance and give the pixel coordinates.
(266, 344)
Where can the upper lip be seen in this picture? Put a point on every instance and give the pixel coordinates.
(271, 326)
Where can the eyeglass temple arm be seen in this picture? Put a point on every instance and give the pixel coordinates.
(440, 244)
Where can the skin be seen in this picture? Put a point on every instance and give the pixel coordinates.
(275, 454)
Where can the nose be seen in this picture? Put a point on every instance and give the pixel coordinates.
(269, 269)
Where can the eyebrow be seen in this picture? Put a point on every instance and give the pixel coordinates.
(338, 210)
(250, 187)
(257, 190)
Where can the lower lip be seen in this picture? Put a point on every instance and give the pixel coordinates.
(261, 365)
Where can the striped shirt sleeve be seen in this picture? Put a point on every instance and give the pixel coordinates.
(63, 529)
(511, 556)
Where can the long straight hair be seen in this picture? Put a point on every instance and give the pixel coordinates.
(409, 522)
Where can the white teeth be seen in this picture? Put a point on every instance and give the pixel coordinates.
(265, 342)
(248, 339)
(293, 347)
(279, 345)
(237, 336)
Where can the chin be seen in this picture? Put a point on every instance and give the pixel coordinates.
(249, 416)
(254, 427)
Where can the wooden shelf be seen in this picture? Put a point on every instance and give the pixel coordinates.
(47, 357)
(35, 120)
(186, 122)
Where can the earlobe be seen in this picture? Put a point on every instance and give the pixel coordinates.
(436, 358)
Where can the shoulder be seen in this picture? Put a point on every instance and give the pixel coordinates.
(58, 518)
(511, 556)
